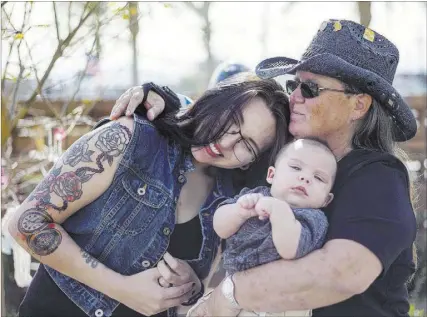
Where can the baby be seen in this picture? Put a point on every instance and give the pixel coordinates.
(264, 224)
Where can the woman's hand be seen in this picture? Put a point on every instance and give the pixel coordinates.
(176, 272)
(142, 293)
(132, 98)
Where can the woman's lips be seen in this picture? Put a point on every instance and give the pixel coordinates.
(296, 115)
(213, 150)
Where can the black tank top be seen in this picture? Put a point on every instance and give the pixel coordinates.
(186, 240)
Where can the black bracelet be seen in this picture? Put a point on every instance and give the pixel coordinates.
(195, 297)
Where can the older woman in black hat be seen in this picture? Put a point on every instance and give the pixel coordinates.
(342, 93)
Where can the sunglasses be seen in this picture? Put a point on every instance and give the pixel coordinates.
(309, 89)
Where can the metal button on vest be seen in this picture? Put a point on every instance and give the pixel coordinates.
(99, 313)
(146, 263)
(182, 179)
(166, 231)
(141, 191)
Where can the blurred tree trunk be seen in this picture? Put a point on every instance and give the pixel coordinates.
(5, 121)
(203, 12)
(134, 30)
(365, 15)
(265, 16)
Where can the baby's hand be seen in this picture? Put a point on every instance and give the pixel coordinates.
(247, 204)
(249, 201)
(264, 207)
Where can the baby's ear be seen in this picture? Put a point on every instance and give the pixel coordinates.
(328, 200)
(270, 174)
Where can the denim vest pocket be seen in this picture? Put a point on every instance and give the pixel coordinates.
(144, 191)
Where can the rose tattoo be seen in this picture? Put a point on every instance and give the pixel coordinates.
(78, 153)
(68, 186)
(111, 141)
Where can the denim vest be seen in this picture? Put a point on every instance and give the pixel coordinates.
(128, 227)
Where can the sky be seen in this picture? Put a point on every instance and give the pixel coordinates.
(170, 38)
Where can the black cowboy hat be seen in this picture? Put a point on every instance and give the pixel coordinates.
(358, 56)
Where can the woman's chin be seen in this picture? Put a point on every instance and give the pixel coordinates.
(298, 130)
(201, 156)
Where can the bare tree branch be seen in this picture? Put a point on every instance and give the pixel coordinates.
(58, 53)
(191, 6)
(56, 22)
(18, 82)
(6, 66)
(27, 13)
(93, 29)
(24, 22)
(69, 16)
(24, 19)
(47, 102)
(84, 10)
(134, 30)
(203, 13)
(80, 79)
(8, 19)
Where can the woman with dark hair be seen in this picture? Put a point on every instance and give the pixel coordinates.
(122, 224)
(342, 94)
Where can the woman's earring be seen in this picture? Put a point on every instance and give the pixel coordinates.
(245, 167)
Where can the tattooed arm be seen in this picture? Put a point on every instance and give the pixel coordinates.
(80, 176)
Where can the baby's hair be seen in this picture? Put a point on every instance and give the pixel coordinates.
(311, 140)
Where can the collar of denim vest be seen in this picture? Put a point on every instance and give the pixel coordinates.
(184, 158)
(188, 162)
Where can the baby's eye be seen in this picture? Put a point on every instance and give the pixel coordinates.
(319, 179)
(297, 168)
(232, 132)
